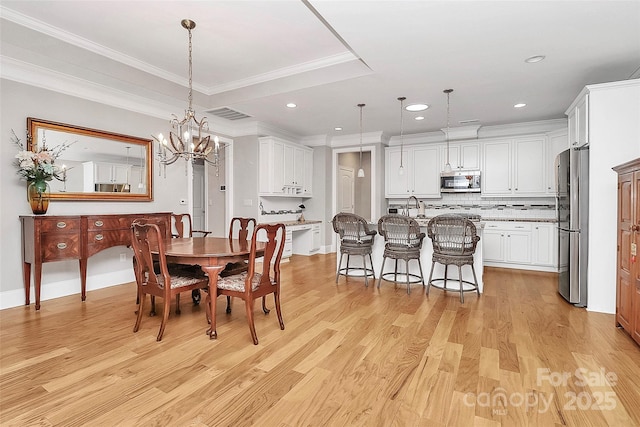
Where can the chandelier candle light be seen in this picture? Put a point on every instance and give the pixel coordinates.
(401, 99)
(186, 138)
(361, 171)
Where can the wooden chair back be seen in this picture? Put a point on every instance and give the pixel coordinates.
(242, 228)
(182, 226)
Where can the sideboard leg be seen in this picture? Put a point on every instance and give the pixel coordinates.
(26, 277)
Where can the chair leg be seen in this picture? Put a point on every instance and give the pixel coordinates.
(433, 264)
(141, 299)
(446, 269)
(384, 259)
(178, 303)
(228, 304)
(347, 270)
(373, 273)
(153, 306)
(421, 274)
(475, 280)
(165, 316)
(395, 272)
(276, 297)
(406, 263)
(252, 327)
(264, 305)
(364, 270)
(460, 280)
(339, 265)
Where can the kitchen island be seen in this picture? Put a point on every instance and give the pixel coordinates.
(426, 254)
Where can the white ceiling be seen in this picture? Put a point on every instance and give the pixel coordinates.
(326, 56)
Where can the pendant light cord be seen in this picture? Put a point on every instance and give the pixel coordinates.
(401, 99)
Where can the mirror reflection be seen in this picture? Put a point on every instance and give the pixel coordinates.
(98, 165)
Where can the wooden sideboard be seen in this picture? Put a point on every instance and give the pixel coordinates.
(56, 238)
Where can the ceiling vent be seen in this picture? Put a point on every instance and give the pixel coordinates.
(228, 113)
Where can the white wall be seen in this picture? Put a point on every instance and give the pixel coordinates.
(614, 130)
(20, 101)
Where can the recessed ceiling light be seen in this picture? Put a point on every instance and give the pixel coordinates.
(533, 59)
(291, 105)
(416, 107)
(464, 122)
(519, 105)
(418, 118)
(337, 128)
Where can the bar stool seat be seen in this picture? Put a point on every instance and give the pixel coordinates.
(403, 240)
(355, 239)
(454, 240)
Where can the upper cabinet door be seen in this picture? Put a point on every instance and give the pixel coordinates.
(470, 156)
(496, 168)
(426, 174)
(396, 185)
(529, 166)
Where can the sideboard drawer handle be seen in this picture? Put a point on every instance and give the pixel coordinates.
(61, 224)
(99, 237)
(62, 245)
(99, 223)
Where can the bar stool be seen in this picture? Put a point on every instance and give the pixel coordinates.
(355, 239)
(454, 240)
(403, 240)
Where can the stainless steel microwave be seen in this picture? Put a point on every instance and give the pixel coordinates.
(460, 181)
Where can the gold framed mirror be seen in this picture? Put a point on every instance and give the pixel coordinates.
(98, 165)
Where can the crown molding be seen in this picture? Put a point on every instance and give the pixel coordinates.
(325, 62)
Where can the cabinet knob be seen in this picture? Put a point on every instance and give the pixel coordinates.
(62, 245)
(61, 224)
(99, 223)
(99, 237)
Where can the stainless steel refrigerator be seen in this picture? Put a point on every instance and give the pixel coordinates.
(572, 207)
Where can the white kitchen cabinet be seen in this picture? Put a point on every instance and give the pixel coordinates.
(461, 155)
(287, 251)
(556, 143)
(421, 177)
(283, 168)
(315, 234)
(578, 116)
(529, 166)
(544, 244)
(105, 173)
(307, 187)
(496, 168)
(515, 167)
(519, 244)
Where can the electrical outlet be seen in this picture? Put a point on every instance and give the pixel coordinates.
(248, 202)
(123, 257)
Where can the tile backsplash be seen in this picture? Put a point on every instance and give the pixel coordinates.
(487, 207)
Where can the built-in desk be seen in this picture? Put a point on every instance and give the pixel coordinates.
(56, 238)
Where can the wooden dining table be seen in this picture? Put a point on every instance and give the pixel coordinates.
(212, 254)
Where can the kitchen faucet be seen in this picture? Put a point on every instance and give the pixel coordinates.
(408, 200)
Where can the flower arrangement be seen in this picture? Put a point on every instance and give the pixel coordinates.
(39, 165)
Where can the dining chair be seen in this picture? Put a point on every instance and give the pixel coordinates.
(403, 240)
(182, 226)
(241, 229)
(159, 279)
(454, 240)
(261, 278)
(355, 239)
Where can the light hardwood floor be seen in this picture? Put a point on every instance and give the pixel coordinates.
(349, 356)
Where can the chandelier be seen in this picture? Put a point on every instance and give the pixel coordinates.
(186, 139)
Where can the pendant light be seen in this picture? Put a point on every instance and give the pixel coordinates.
(401, 170)
(361, 171)
(447, 166)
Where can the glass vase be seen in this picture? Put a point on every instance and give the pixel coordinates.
(38, 194)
